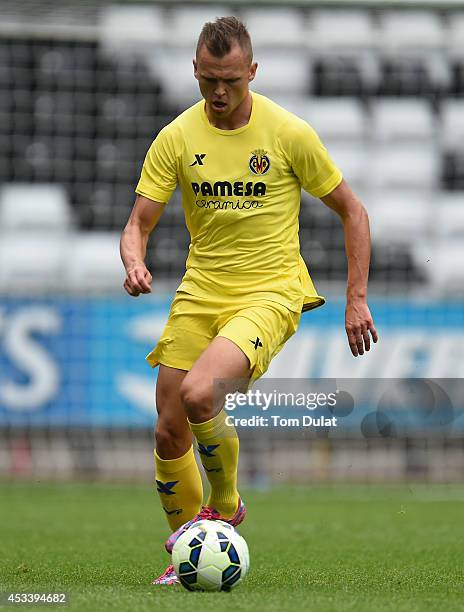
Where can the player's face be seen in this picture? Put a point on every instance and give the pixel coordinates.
(224, 80)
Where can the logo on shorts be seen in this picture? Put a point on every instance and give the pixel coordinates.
(257, 343)
(259, 162)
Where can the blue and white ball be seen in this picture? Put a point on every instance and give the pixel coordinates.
(210, 556)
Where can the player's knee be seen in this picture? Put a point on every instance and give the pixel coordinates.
(197, 399)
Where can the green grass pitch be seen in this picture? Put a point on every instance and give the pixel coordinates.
(360, 548)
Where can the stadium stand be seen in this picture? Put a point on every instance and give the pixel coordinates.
(85, 87)
(452, 124)
(184, 24)
(413, 53)
(409, 165)
(134, 30)
(94, 263)
(32, 265)
(79, 107)
(338, 120)
(284, 72)
(450, 218)
(394, 214)
(275, 28)
(443, 267)
(342, 43)
(402, 121)
(40, 208)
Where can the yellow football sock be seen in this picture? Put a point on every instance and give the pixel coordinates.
(218, 449)
(179, 485)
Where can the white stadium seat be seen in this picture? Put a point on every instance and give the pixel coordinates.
(344, 41)
(443, 263)
(94, 263)
(337, 119)
(396, 120)
(352, 161)
(334, 119)
(415, 29)
(274, 27)
(284, 71)
(295, 103)
(449, 212)
(397, 216)
(455, 35)
(174, 68)
(133, 29)
(414, 39)
(32, 263)
(402, 166)
(330, 31)
(452, 123)
(34, 207)
(185, 24)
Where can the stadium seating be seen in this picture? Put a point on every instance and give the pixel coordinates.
(396, 215)
(409, 165)
(340, 31)
(287, 71)
(353, 159)
(411, 30)
(174, 68)
(185, 23)
(94, 263)
(400, 120)
(38, 208)
(443, 266)
(275, 27)
(33, 263)
(450, 217)
(79, 108)
(412, 46)
(342, 44)
(455, 35)
(131, 29)
(338, 119)
(452, 124)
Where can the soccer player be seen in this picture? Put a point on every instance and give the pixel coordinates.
(241, 161)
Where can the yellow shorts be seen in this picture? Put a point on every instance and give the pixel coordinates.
(259, 328)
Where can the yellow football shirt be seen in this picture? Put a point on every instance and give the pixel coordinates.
(241, 197)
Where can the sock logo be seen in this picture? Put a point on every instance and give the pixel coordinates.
(207, 451)
(212, 469)
(257, 343)
(175, 511)
(165, 487)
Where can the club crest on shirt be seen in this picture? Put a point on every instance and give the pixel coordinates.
(259, 161)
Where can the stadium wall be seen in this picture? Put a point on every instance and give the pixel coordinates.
(77, 397)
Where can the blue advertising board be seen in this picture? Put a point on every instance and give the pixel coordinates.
(80, 362)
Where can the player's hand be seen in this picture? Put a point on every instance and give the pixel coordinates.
(358, 325)
(138, 280)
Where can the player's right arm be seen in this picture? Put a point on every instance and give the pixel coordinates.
(133, 247)
(157, 182)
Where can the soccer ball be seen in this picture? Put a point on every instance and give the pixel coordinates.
(210, 556)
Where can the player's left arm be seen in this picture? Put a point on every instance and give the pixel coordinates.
(358, 319)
